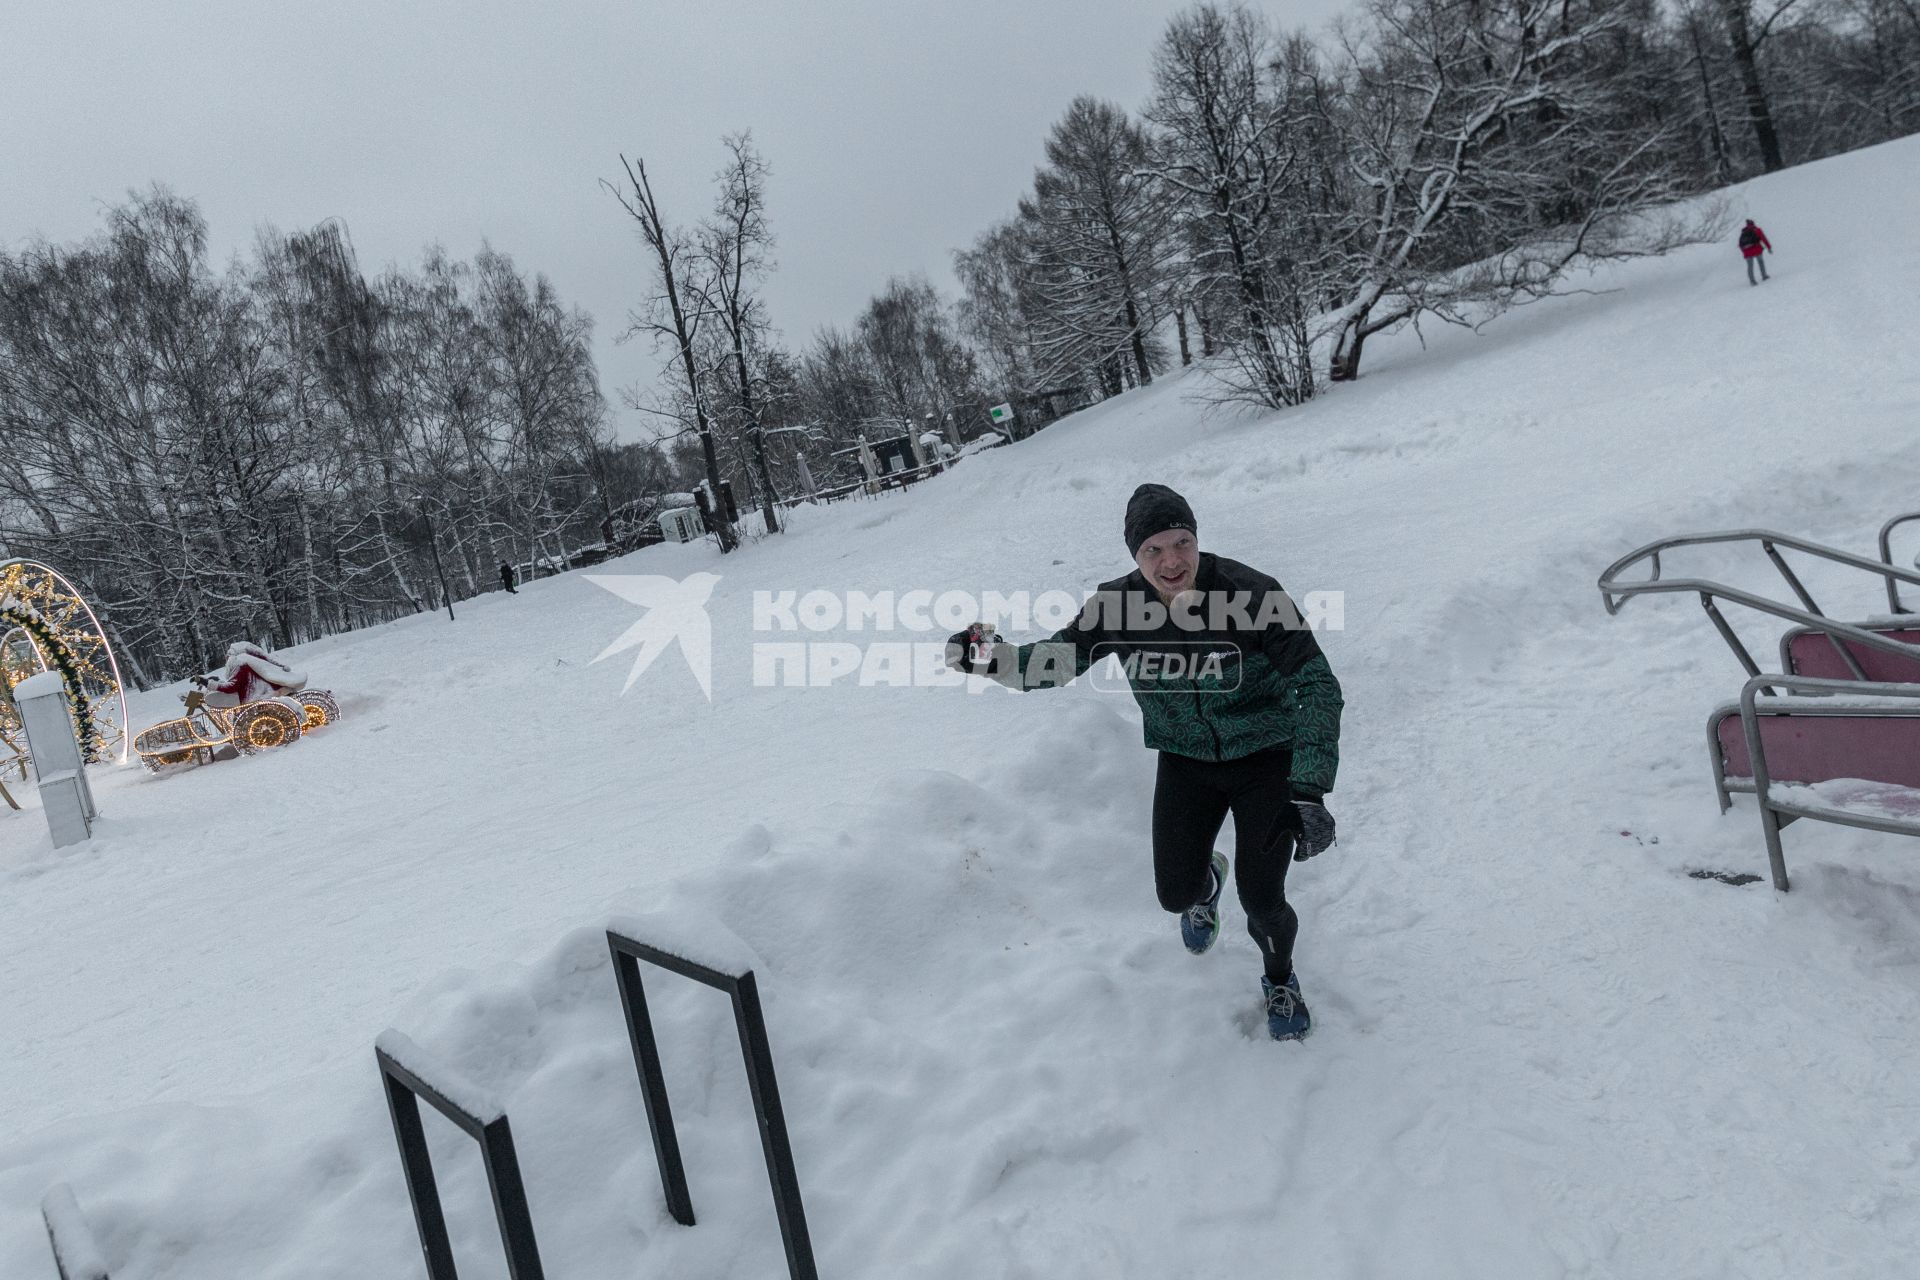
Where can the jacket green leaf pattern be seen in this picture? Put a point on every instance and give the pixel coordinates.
(1271, 685)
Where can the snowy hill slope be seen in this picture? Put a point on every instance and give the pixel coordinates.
(1540, 1048)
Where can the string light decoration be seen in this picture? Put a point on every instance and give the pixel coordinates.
(187, 740)
(266, 724)
(320, 707)
(47, 625)
(250, 728)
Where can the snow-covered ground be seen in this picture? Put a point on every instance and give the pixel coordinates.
(1540, 1048)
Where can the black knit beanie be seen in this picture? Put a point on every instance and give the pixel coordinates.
(1152, 509)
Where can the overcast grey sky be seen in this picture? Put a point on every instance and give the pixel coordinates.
(896, 130)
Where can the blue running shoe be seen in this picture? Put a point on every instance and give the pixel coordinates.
(1200, 923)
(1287, 1017)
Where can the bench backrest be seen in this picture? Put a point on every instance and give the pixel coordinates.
(1820, 748)
(1814, 653)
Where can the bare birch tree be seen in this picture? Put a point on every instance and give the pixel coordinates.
(737, 243)
(672, 317)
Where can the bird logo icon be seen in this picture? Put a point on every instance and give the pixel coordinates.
(676, 609)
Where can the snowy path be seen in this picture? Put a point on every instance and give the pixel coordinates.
(1540, 1048)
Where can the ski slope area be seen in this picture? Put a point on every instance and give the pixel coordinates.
(1540, 1049)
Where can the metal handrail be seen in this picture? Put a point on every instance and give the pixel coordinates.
(1614, 592)
(1886, 556)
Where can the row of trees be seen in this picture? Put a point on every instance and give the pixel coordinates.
(1278, 201)
(746, 410)
(1282, 199)
(290, 447)
(287, 448)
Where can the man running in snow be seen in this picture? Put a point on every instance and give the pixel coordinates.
(1753, 243)
(1239, 701)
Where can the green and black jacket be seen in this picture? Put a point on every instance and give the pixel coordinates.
(1243, 680)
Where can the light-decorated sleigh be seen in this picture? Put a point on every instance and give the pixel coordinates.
(253, 704)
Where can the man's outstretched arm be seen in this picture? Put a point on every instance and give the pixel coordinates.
(1060, 659)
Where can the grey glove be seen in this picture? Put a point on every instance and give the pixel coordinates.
(1316, 829)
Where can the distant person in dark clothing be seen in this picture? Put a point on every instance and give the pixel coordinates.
(1754, 243)
(507, 579)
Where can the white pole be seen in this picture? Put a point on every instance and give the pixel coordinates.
(55, 748)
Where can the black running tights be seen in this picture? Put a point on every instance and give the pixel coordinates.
(1191, 800)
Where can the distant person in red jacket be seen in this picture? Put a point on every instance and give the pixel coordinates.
(1753, 243)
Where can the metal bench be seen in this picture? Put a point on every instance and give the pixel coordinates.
(1817, 652)
(1850, 757)
(1813, 651)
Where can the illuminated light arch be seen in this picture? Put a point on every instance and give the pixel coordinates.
(32, 592)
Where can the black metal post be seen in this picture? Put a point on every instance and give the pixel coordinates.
(653, 1085)
(750, 1022)
(773, 1128)
(417, 1165)
(405, 1088)
(76, 1254)
(510, 1201)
